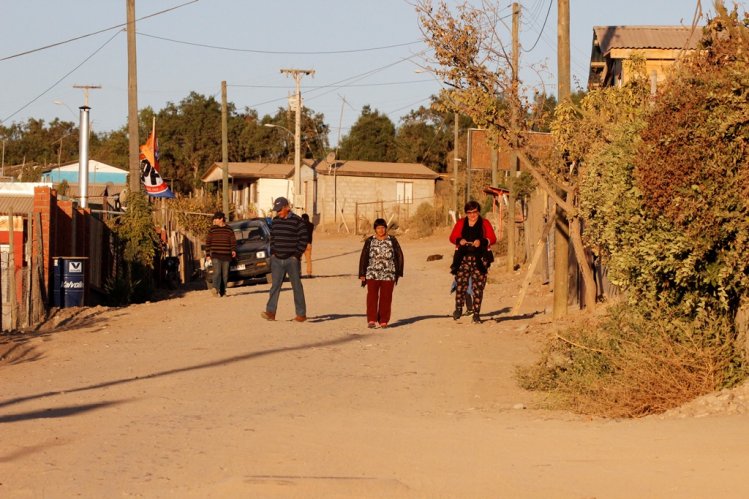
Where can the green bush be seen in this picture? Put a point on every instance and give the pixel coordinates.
(137, 242)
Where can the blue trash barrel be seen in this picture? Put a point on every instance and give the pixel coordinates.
(73, 281)
(56, 282)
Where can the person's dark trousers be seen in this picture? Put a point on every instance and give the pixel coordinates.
(220, 275)
(279, 269)
(379, 299)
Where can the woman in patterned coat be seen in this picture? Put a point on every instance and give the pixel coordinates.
(380, 266)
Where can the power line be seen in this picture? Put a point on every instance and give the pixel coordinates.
(276, 52)
(94, 33)
(328, 86)
(338, 84)
(551, 2)
(61, 79)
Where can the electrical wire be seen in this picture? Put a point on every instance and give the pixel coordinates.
(61, 79)
(551, 2)
(274, 52)
(327, 86)
(57, 44)
(339, 84)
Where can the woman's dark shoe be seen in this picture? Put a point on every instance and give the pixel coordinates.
(476, 319)
(456, 315)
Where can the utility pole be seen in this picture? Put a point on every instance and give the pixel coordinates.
(456, 163)
(515, 100)
(561, 229)
(224, 151)
(86, 88)
(297, 75)
(335, 168)
(132, 102)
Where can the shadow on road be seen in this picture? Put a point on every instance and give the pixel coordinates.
(169, 372)
(59, 412)
(521, 317)
(412, 320)
(333, 317)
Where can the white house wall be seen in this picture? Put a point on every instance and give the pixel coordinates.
(268, 189)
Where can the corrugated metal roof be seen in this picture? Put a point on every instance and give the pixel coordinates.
(95, 190)
(646, 37)
(377, 169)
(19, 204)
(249, 170)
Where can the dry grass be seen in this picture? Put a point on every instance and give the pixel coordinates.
(631, 363)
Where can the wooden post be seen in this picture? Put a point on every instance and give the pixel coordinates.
(39, 298)
(224, 152)
(27, 287)
(561, 234)
(132, 102)
(12, 272)
(515, 100)
(540, 247)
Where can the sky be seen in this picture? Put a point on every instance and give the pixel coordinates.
(363, 52)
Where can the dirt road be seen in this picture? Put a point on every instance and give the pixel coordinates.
(197, 396)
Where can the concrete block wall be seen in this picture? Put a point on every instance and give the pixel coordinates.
(352, 190)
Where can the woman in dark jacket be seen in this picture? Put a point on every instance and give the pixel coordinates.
(472, 237)
(380, 266)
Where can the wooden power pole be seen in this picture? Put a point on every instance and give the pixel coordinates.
(132, 102)
(224, 151)
(515, 100)
(299, 200)
(561, 230)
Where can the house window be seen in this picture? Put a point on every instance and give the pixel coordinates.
(404, 192)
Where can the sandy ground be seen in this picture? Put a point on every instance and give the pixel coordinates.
(196, 396)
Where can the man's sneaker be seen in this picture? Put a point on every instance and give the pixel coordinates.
(300, 318)
(456, 315)
(476, 319)
(268, 316)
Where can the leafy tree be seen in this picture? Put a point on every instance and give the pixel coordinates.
(663, 188)
(372, 138)
(425, 136)
(37, 143)
(277, 144)
(111, 148)
(189, 138)
(471, 58)
(693, 168)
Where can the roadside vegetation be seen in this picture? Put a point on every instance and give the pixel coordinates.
(660, 185)
(663, 189)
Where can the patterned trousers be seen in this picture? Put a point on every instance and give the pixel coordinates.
(469, 270)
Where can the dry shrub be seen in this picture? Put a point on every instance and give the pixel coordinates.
(631, 362)
(424, 221)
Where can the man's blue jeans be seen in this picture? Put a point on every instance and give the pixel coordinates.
(220, 275)
(280, 268)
